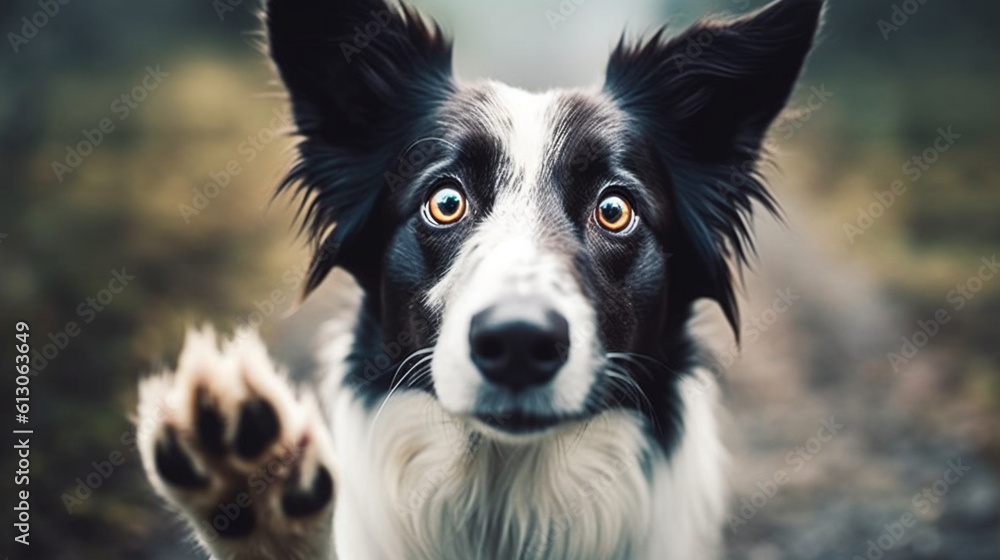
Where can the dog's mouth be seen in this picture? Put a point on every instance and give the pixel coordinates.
(522, 415)
(519, 423)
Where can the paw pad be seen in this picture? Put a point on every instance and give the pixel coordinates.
(174, 466)
(258, 428)
(231, 444)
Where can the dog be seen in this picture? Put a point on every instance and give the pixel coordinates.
(518, 379)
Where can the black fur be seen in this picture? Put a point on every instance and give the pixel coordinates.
(678, 129)
(356, 106)
(705, 115)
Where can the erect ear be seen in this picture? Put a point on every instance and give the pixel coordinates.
(364, 79)
(704, 101)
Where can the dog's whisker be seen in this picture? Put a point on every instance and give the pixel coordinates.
(392, 391)
(634, 358)
(632, 389)
(621, 379)
(416, 353)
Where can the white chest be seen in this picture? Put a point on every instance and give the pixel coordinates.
(433, 492)
(416, 487)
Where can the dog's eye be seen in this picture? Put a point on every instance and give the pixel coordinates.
(614, 213)
(445, 206)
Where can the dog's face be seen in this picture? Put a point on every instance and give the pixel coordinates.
(531, 241)
(535, 254)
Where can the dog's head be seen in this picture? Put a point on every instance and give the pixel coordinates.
(535, 254)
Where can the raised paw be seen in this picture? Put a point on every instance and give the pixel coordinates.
(249, 464)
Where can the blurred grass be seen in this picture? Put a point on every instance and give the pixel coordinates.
(120, 208)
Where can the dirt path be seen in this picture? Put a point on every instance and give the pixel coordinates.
(834, 455)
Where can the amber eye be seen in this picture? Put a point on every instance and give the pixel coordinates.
(445, 206)
(613, 213)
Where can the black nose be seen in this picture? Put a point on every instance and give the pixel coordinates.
(518, 342)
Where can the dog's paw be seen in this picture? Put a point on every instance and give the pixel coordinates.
(249, 464)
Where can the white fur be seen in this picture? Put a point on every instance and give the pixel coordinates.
(690, 489)
(419, 480)
(514, 251)
(422, 486)
(414, 478)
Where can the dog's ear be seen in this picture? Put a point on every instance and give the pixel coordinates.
(704, 101)
(363, 79)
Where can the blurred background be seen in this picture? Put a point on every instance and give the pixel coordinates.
(115, 117)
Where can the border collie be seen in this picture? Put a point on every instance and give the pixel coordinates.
(517, 381)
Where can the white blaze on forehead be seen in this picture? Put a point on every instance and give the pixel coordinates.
(523, 122)
(530, 132)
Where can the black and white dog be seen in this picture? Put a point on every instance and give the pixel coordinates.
(517, 381)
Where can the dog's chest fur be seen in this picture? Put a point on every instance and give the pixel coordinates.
(414, 485)
(584, 493)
